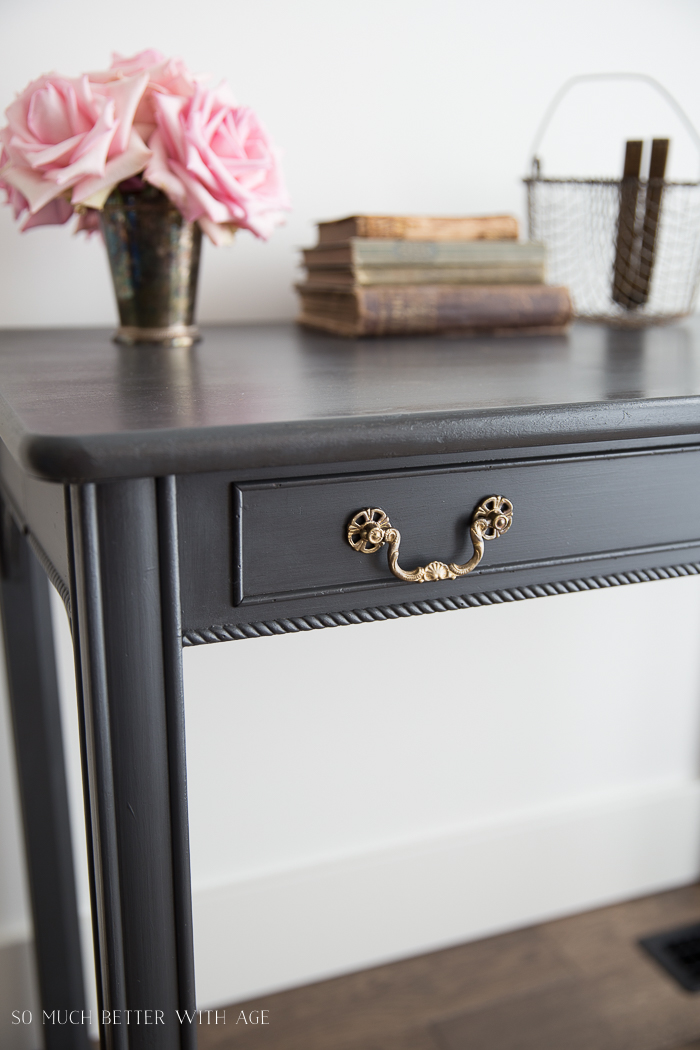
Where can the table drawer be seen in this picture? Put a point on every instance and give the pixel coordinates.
(291, 536)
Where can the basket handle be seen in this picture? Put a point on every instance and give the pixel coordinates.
(581, 78)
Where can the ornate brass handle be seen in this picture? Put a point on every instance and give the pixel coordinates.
(370, 529)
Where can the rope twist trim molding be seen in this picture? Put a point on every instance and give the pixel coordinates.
(52, 572)
(266, 628)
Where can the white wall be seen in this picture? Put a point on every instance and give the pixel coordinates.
(446, 776)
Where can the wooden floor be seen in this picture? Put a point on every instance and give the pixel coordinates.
(580, 983)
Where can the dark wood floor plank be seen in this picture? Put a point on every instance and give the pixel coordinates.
(275, 1038)
(596, 941)
(415, 1039)
(634, 1003)
(578, 982)
(614, 1012)
(387, 1000)
(643, 1009)
(562, 1016)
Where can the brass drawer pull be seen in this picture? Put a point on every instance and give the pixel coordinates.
(370, 529)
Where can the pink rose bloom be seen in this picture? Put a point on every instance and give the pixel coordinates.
(53, 214)
(70, 141)
(166, 76)
(216, 164)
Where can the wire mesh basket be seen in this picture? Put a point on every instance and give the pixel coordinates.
(628, 249)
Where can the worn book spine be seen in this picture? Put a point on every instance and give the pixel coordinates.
(350, 330)
(434, 308)
(381, 275)
(374, 251)
(420, 228)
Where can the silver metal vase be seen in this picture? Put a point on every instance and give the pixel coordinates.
(154, 258)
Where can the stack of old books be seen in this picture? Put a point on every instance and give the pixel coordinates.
(391, 275)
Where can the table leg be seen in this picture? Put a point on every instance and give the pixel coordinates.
(36, 721)
(127, 608)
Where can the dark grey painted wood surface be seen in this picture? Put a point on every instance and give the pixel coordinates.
(420, 427)
(76, 407)
(36, 722)
(281, 544)
(130, 749)
(292, 535)
(277, 437)
(171, 617)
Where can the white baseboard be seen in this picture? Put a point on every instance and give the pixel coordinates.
(262, 935)
(279, 930)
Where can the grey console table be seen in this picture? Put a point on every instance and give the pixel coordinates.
(183, 497)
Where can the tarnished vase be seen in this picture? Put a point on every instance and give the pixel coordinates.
(154, 257)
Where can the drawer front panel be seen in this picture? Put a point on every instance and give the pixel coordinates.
(290, 536)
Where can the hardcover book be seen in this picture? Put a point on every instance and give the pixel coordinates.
(346, 277)
(420, 228)
(392, 252)
(395, 309)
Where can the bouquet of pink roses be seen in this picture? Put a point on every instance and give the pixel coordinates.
(69, 142)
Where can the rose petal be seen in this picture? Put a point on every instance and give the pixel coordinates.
(80, 105)
(126, 95)
(35, 188)
(158, 173)
(47, 118)
(93, 192)
(168, 113)
(96, 142)
(38, 157)
(138, 62)
(219, 233)
(17, 201)
(197, 167)
(56, 213)
(200, 201)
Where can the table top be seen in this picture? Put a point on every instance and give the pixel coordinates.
(76, 407)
